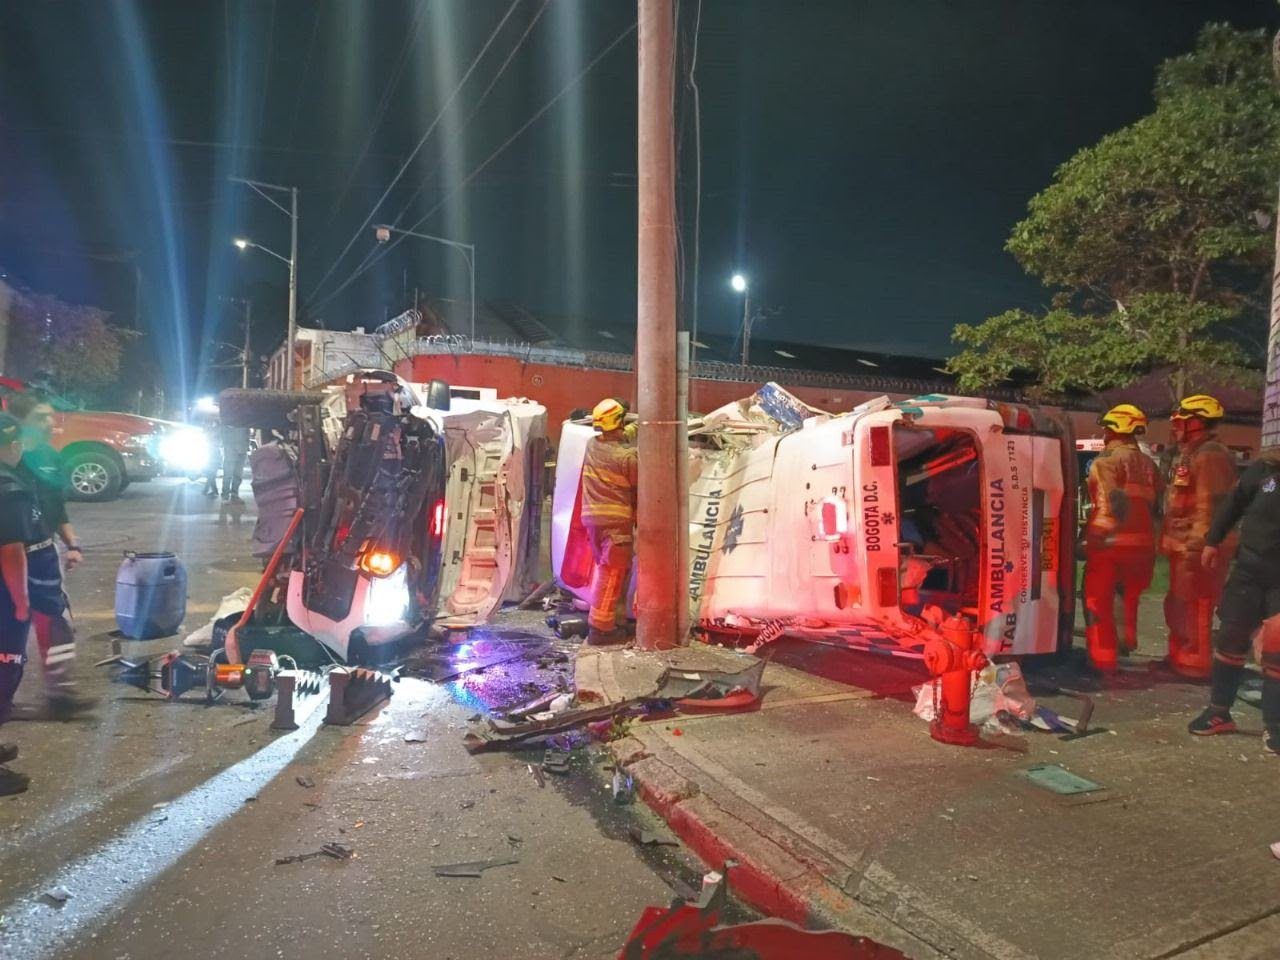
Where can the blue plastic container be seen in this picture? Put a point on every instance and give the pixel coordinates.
(151, 595)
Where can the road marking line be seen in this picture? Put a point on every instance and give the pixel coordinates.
(36, 931)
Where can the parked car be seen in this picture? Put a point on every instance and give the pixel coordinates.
(868, 528)
(104, 451)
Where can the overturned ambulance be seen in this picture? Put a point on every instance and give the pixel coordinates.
(415, 503)
(873, 528)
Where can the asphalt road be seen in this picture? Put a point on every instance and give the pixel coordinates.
(163, 821)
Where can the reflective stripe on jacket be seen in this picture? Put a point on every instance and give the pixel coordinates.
(609, 483)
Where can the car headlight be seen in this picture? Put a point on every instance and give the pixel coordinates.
(388, 600)
(185, 450)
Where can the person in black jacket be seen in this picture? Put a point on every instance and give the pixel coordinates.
(1250, 600)
(21, 531)
(41, 470)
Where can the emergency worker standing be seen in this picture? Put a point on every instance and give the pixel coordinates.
(1251, 598)
(609, 472)
(1203, 475)
(41, 471)
(1120, 534)
(18, 516)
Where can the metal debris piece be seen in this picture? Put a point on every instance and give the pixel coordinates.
(58, 895)
(1054, 777)
(623, 788)
(556, 761)
(652, 838)
(537, 775)
(353, 692)
(472, 868)
(306, 782)
(336, 851)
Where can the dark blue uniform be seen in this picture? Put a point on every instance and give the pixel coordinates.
(22, 522)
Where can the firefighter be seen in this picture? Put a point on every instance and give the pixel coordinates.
(1251, 598)
(1119, 536)
(608, 514)
(1203, 475)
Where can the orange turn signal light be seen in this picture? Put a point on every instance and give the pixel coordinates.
(379, 563)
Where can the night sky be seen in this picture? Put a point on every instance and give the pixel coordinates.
(862, 161)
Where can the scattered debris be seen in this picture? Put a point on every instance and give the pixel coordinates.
(1056, 778)
(558, 879)
(556, 761)
(1275, 850)
(537, 775)
(160, 806)
(472, 868)
(415, 737)
(57, 895)
(694, 930)
(652, 838)
(306, 782)
(623, 788)
(336, 851)
(467, 804)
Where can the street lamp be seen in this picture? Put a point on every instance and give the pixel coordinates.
(382, 233)
(739, 284)
(291, 212)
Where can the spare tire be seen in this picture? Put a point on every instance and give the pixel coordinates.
(262, 409)
(438, 395)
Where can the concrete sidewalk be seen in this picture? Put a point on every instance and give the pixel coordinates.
(841, 810)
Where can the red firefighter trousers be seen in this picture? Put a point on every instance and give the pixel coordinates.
(1194, 592)
(1105, 569)
(611, 551)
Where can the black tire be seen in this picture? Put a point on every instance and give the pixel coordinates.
(261, 409)
(438, 395)
(94, 476)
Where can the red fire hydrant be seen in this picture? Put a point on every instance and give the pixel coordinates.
(952, 661)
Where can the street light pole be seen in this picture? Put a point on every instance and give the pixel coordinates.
(261, 188)
(293, 286)
(248, 326)
(382, 232)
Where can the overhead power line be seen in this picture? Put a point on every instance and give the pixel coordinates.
(404, 167)
(388, 247)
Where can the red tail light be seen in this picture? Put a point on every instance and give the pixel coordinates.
(437, 520)
(887, 586)
(881, 448)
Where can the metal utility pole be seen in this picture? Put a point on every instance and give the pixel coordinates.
(293, 286)
(291, 337)
(658, 595)
(248, 350)
(746, 327)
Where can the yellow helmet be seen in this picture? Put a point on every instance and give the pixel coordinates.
(1201, 405)
(608, 415)
(1124, 418)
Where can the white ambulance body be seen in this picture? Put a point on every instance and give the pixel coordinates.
(868, 527)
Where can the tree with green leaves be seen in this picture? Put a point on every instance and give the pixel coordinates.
(71, 347)
(1155, 241)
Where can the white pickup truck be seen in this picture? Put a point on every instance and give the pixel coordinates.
(868, 528)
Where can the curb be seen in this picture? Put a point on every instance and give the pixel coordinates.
(779, 875)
